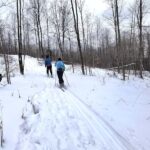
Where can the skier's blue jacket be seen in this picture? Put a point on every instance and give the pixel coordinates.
(60, 65)
(48, 62)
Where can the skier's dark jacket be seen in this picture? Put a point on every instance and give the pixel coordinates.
(48, 62)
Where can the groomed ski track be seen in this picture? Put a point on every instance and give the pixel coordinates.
(72, 124)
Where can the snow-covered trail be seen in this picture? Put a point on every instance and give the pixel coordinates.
(94, 113)
(71, 125)
(104, 131)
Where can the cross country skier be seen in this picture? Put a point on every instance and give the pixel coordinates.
(60, 70)
(48, 65)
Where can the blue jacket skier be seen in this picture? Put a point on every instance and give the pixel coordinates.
(60, 70)
(48, 65)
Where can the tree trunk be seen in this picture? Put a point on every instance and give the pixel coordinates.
(141, 52)
(19, 15)
(76, 26)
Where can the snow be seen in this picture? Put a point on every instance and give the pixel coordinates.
(98, 112)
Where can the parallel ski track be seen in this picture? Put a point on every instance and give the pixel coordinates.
(108, 138)
(103, 130)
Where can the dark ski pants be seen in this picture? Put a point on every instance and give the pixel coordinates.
(60, 76)
(49, 69)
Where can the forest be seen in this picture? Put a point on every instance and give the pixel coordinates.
(117, 40)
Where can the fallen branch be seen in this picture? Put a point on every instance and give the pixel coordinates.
(132, 64)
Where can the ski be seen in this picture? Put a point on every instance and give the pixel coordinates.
(62, 87)
(2, 85)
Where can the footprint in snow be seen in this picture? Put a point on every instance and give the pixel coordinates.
(148, 118)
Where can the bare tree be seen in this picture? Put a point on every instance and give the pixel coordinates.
(114, 21)
(37, 6)
(19, 23)
(81, 4)
(148, 51)
(14, 30)
(114, 4)
(132, 40)
(48, 37)
(70, 51)
(74, 7)
(140, 26)
(61, 19)
(6, 56)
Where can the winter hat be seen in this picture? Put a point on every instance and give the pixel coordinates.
(47, 56)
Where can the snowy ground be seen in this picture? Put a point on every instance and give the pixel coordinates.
(97, 112)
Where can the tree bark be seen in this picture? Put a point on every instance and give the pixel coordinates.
(76, 26)
(19, 17)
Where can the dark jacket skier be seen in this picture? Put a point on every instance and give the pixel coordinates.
(48, 65)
